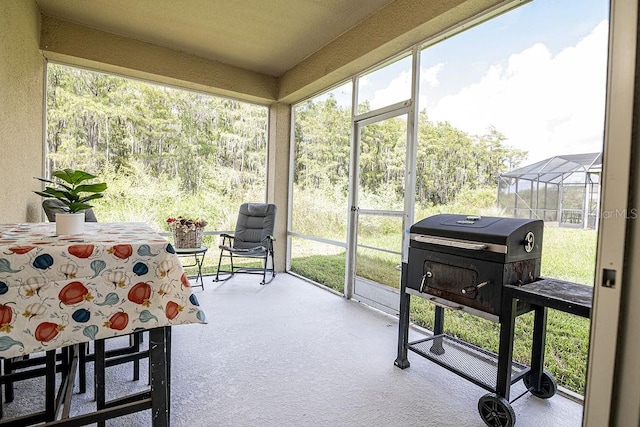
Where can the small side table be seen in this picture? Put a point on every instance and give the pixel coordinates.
(198, 258)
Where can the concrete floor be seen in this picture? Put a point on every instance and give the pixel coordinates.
(293, 354)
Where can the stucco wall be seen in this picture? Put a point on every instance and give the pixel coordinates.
(278, 175)
(21, 109)
(87, 47)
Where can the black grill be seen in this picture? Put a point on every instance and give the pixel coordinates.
(489, 267)
(467, 260)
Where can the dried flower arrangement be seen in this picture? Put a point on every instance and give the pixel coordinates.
(186, 224)
(187, 233)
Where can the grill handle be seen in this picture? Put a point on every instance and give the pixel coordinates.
(425, 276)
(443, 305)
(452, 243)
(472, 291)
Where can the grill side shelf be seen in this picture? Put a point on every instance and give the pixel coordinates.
(558, 294)
(472, 363)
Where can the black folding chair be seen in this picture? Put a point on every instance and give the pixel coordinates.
(252, 239)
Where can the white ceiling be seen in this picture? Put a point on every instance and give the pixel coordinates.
(266, 36)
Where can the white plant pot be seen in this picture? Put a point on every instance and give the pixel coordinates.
(69, 223)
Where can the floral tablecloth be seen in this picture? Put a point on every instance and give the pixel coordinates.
(112, 280)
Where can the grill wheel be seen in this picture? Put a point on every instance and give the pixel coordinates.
(548, 385)
(496, 411)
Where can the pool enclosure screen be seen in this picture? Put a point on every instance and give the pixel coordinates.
(562, 189)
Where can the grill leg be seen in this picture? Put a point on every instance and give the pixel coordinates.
(505, 351)
(438, 329)
(402, 361)
(537, 346)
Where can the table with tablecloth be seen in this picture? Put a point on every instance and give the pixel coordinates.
(114, 279)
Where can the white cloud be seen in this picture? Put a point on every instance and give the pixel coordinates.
(399, 88)
(542, 103)
(429, 76)
(364, 81)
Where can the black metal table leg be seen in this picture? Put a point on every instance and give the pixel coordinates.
(1, 401)
(64, 363)
(159, 377)
(8, 386)
(99, 366)
(82, 367)
(167, 336)
(65, 392)
(199, 262)
(50, 386)
(402, 361)
(198, 259)
(134, 343)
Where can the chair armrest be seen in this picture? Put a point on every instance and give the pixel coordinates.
(268, 242)
(227, 239)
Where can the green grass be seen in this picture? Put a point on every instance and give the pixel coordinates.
(568, 254)
(378, 268)
(328, 270)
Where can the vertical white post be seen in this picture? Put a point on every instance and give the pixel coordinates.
(606, 383)
(352, 223)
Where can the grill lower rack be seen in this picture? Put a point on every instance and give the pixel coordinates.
(469, 361)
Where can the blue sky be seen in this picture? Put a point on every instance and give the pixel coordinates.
(536, 73)
(555, 23)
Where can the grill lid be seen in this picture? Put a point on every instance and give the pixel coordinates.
(514, 238)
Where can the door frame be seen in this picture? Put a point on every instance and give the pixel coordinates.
(370, 118)
(616, 172)
(407, 107)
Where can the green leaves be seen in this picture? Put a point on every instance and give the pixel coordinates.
(71, 193)
(91, 188)
(73, 177)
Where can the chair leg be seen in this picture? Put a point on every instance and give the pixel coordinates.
(8, 386)
(219, 263)
(264, 268)
(99, 366)
(230, 271)
(134, 341)
(82, 369)
(50, 386)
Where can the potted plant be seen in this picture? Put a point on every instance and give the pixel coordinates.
(70, 190)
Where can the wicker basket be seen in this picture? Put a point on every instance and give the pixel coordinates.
(187, 238)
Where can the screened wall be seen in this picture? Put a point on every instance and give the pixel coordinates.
(164, 151)
(563, 189)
